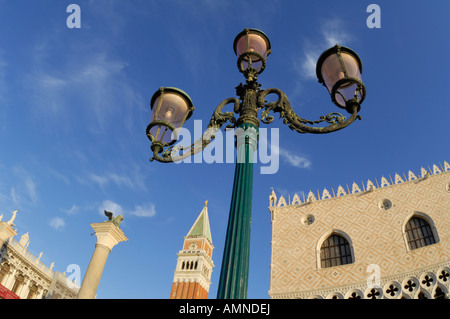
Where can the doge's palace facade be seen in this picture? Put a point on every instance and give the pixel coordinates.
(385, 239)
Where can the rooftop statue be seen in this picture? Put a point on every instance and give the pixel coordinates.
(115, 220)
(10, 222)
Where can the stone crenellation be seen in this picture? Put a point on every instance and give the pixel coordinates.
(355, 188)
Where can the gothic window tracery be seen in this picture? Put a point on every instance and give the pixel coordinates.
(410, 285)
(444, 275)
(373, 294)
(419, 233)
(335, 251)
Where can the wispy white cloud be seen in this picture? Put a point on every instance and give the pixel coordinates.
(52, 82)
(102, 79)
(88, 83)
(72, 210)
(103, 180)
(332, 32)
(146, 210)
(294, 159)
(25, 189)
(110, 206)
(291, 158)
(76, 154)
(30, 188)
(308, 66)
(132, 181)
(57, 223)
(14, 196)
(58, 175)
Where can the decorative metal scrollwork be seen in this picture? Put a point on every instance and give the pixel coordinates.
(219, 118)
(282, 106)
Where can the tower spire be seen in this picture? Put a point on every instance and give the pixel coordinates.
(194, 265)
(201, 228)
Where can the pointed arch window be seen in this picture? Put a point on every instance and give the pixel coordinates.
(335, 251)
(419, 233)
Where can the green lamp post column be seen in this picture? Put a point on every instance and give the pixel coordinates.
(233, 280)
(235, 264)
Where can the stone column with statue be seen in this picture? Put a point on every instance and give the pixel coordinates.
(108, 235)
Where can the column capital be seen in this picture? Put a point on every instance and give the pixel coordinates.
(108, 234)
(6, 232)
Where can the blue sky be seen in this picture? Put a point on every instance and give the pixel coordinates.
(74, 105)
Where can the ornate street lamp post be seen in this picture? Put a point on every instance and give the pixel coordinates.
(338, 69)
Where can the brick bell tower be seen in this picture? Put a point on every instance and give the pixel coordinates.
(194, 265)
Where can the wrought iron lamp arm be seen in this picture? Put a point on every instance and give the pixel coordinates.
(336, 120)
(218, 119)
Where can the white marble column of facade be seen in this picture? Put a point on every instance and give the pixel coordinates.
(10, 277)
(39, 292)
(108, 235)
(22, 292)
(30, 285)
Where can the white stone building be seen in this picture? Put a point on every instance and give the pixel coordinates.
(387, 240)
(24, 276)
